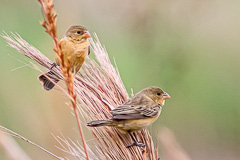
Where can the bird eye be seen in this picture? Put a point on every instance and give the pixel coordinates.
(78, 32)
(158, 94)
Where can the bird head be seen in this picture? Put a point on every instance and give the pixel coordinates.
(78, 33)
(157, 95)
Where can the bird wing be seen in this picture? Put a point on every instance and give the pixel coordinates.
(135, 112)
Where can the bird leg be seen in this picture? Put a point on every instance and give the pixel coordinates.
(54, 64)
(136, 143)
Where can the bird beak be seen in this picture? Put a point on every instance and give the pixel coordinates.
(166, 96)
(86, 35)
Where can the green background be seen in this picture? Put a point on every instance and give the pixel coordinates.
(189, 48)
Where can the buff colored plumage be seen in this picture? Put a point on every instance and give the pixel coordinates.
(137, 113)
(75, 46)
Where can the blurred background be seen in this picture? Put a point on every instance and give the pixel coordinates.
(189, 48)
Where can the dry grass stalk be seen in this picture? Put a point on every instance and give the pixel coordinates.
(75, 150)
(97, 84)
(13, 151)
(50, 25)
(50, 21)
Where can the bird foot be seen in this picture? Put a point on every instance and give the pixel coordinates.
(136, 144)
(54, 64)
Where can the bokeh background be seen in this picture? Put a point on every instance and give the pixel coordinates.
(189, 48)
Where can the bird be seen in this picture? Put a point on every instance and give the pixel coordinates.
(75, 45)
(136, 113)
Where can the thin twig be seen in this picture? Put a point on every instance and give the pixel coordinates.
(80, 129)
(50, 25)
(27, 140)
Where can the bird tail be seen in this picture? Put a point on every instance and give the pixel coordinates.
(46, 82)
(99, 123)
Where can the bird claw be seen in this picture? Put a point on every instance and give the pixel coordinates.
(54, 64)
(136, 144)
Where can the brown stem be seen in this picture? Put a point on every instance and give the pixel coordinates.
(80, 128)
(50, 26)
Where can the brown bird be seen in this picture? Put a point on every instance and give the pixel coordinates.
(75, 45)
(136, 113)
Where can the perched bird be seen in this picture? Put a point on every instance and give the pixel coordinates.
(75, 45)
(136, 113)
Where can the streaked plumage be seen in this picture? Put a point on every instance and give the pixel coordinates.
(137, 113)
